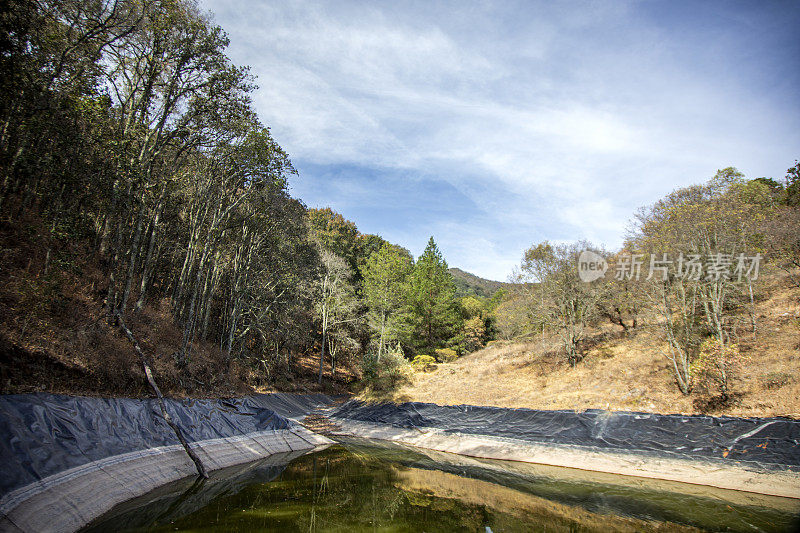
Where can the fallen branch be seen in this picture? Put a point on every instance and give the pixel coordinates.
(150, 379)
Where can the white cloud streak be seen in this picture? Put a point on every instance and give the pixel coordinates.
(555, 121)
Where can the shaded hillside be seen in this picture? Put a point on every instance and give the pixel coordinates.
(55, 334)
(470, 284)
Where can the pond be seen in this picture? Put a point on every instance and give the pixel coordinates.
(360, 485)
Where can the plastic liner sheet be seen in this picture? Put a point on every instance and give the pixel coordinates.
(44, 434)
(765, 442)
(187, 496)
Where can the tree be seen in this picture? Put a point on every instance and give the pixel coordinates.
(430, 315)
(705, 228)
(337, 234)
(782, 230)
(473, 335)
(336, 303)
(621, 300)
(557, 298)
(792, 187)
(385, 274)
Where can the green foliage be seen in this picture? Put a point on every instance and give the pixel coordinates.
(127, 126)
(424, 363)
(472, 336)
(471, 285)
(446, 355)
(336, 305)
(366, 245)
(387, 372)
(385, 274)
(336, 234)
(792, 194)
(430, 315)
(472, 306)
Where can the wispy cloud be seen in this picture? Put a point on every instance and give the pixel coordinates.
(492, 127)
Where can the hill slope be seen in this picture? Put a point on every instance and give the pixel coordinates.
(470, 284)
(622, 373)
(55, 334)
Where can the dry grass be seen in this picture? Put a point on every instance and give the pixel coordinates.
(625, 373)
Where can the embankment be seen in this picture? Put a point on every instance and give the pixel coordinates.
(759, 455)
(67, 460)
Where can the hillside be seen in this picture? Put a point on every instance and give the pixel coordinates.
(470, 284)
(55, 334)
(623, 372)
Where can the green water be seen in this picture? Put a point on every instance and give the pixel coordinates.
(362, 486)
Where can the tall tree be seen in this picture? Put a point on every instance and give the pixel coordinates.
(385, 274)
(336, 234)
(336, 303)
(556, 297)
(430, 315)
(707, 229)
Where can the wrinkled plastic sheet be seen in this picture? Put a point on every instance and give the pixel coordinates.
(766, 442)
(44, 434)
(186, 496)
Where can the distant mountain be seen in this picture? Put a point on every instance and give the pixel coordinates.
(470, 284)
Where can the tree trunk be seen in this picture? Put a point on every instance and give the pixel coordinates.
(151, 380)
(133, 252)
(322, 355)
(147, 266)
(383, 329)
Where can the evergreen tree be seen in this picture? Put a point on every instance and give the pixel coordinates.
(430, 316)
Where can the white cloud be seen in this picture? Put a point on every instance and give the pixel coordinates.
(555, 121)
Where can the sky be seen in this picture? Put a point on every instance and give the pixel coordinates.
(493, 126)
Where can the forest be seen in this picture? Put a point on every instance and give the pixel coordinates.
(139, 189)
(137, 178)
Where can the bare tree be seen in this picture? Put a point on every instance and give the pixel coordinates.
(557, 297)
(336, 303)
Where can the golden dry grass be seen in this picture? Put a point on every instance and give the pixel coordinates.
(624, 373)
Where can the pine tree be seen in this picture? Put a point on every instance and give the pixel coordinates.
(430, 316)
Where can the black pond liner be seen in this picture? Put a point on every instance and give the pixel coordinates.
(44, 434)
(186, 496)
(764, 443)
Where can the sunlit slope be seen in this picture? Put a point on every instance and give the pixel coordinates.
(623, 372)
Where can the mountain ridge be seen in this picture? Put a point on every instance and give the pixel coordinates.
(469, 284)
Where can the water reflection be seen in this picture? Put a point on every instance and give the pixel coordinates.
(361, 486)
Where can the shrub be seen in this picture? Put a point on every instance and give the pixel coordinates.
(471, 337)
(387, 373)
(715, 368)
(445, 355)
(424, 363)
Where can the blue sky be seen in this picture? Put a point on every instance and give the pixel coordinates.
(493, 126)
